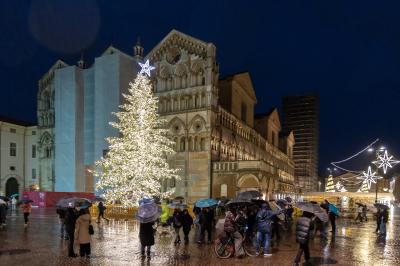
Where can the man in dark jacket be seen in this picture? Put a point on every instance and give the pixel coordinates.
(206, 221)
(70, 220)
(264, 219)
(61, 215)
(187, 222)
(383, 218)
(101, 208)
(177, 218)
(303, 227)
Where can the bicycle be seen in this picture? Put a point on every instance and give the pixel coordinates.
(224, 246)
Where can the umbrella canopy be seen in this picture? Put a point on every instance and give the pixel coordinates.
(381, 206)
(14, 195)
(361, 204)
(333, 209)
(321, 213)
(177, 205)
(145, 201)
(249, 195)
(149, 212)
(288, 199)
(236, 202)
(260, 202)
(2, 201)
(4, 198)
(204, 203)
(74, 202)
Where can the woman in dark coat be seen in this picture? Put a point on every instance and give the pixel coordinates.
(146, 236)
(187, 222)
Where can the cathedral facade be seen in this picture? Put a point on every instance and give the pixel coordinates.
(221, 146)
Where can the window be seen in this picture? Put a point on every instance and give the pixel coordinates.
(224, 190)
(13, 149)
(13, 130)
(33, 151)
(244, 112)
(33, 173)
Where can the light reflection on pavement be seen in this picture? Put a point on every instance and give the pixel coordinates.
(117, 244)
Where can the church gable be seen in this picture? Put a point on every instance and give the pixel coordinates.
(274, 118)
(244, 80)
(171, 47)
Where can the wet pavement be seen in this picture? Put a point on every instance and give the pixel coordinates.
(117, 243)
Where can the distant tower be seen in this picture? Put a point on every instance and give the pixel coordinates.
(138, 50)
(81, 62)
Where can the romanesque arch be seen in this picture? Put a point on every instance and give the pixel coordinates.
(248, 182)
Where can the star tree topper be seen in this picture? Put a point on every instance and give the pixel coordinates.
(385, 162)
(146, 68)
(369, 177)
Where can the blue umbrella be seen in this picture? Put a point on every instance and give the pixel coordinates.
(333, 209)
(145, 201)
(149, 212)
(177, 205)
(204, 203)
(14, 195)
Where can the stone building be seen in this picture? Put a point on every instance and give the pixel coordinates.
(18, 156)
(222, 148)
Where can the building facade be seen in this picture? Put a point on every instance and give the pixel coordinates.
(301, 116)
(18, 157)
(220, 147)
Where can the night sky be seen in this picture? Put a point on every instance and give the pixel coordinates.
(347, 52)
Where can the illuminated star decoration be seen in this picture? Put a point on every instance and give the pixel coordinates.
(385, 162)
(369, 177)
(146, 68)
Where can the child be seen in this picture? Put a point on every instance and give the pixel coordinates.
(304, 226)
(82, 236)
(26, 208)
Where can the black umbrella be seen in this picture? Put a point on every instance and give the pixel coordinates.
(260, 202)
(381, 206)
(4, 198)
(237, 202)
(361, 204)
(249, 195)
(282, 203)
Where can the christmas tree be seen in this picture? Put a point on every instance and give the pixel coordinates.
(136, 163)
(329, 187)
(364, 187)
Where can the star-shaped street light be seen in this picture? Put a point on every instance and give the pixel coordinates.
(385, 162)
(369, 177)
(146, 68)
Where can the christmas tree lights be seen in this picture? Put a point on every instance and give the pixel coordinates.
(329, 187)
(136, 163)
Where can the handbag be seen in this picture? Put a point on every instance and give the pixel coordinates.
(91, 230)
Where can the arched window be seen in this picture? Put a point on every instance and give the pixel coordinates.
(203, 144)
(182, 144)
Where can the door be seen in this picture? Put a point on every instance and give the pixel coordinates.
(11, 186)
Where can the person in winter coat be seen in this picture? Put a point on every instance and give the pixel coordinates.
(359, 214)
(206, 220)
(177, 224)
(332, 216)
(101, 208)
(364, 213)
(146, 236)
(304, 225)
(383, 218)
(378, 220)
(231, 227)
(82, 236)
(70, 219)
(187, 222)
(61, 216)
(263, 221)
(26, 208)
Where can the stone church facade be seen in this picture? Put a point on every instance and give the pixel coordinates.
(221, 146)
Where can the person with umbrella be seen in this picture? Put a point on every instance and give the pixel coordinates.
(206, 219)
(177, 224)
(82, 234)
(147, 214)
(187, 222)
(70, 219)
(382, 217)
(332, 213)
(263, 221)
(304, 226)
(231, 227)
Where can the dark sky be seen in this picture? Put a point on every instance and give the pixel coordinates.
(348, 52)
